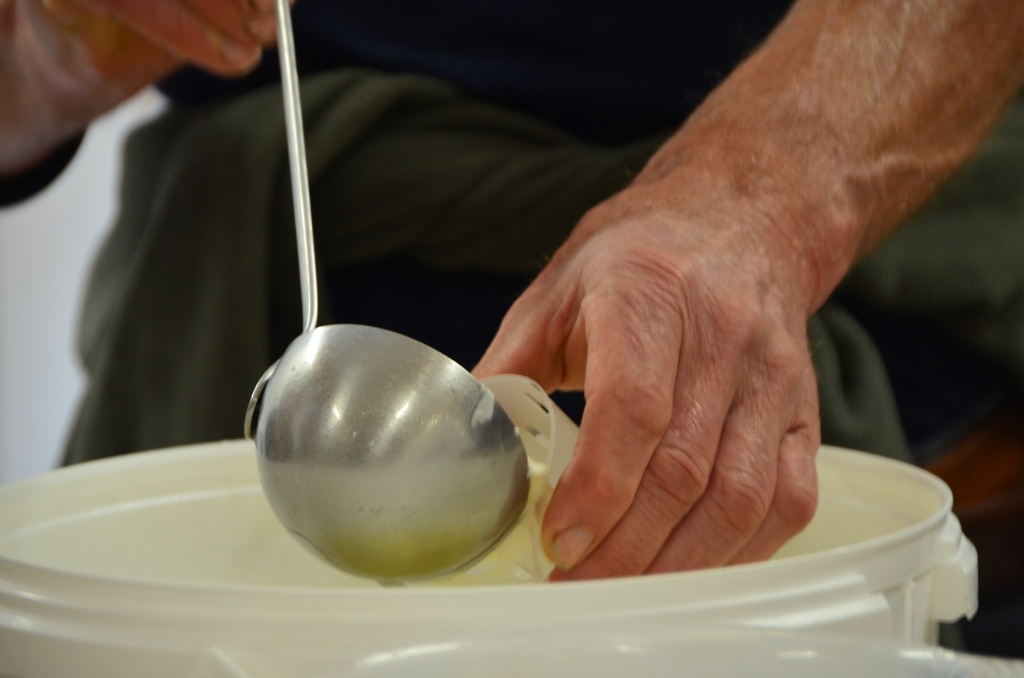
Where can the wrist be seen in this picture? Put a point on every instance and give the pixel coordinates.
(788, 195)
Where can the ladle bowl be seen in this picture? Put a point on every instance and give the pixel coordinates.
(380, 454)
(385, 457)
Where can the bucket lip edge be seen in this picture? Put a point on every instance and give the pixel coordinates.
(90, 587)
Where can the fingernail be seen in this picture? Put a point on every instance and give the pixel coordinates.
(238, 55)
(569, 545)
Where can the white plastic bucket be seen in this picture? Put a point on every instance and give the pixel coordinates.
(667, 651)
(171, 563)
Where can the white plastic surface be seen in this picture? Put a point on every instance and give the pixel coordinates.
(664, 651)
(540, 421)
(170, 563)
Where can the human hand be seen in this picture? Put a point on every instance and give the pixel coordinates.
(680, 307)
(65, 62)
(222, 36)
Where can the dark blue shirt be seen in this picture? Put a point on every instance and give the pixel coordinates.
(607, 71)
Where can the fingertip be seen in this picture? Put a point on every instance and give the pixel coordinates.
(595, 490)
(570, 546)
(239, 58)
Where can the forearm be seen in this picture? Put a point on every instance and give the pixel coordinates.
(848, 117)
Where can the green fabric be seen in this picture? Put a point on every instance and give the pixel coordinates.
(196, 291)
(855, 399)
(960, 262)
(957, 265)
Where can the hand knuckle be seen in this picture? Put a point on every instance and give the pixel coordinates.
(678, 474)
(743, 502)
(797, 495)
(645, 404)
(786, 357)
(741, 317)
(796, 504)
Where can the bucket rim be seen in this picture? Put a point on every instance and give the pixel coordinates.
(26, 581)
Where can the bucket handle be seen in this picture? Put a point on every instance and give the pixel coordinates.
(955, 577)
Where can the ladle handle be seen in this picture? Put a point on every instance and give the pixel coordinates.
(297, 162)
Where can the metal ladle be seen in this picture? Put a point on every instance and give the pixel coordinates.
(383, 456)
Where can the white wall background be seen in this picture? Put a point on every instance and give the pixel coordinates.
(46, 246)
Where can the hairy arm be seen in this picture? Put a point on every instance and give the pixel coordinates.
(680, 305)
(853, 113)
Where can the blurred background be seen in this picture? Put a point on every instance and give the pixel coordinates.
(46, 246)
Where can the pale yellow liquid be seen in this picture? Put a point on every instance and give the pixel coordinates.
(519, 558)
